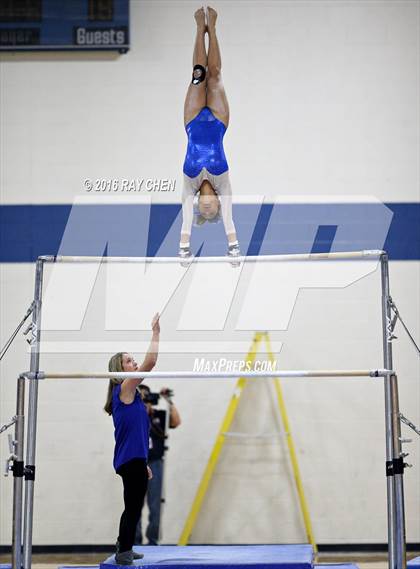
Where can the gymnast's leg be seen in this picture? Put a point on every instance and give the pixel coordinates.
(195, 99)
(135, 478)
(216, 96)
(218, 103)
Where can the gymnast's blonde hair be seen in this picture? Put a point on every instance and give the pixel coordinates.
(200, 219)
(114, 364)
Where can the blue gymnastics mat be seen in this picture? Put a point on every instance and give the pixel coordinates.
(336, 566)
(414, 562)
(223, 556)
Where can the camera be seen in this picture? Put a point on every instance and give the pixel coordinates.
(152, 398)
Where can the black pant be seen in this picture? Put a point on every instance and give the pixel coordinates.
(134, 476)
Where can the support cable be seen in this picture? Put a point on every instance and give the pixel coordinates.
(15, 333)
(7, 425)
(409, 423)
(397, 316)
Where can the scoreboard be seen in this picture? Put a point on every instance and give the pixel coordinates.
(34, 25)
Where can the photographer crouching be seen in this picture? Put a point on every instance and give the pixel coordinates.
(160, 420)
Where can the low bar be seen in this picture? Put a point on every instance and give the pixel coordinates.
(208, 375)
(374, 253)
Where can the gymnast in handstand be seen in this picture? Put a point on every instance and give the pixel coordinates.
(206, 118)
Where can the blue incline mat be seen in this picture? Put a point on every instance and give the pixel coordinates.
(336, 566)
(414, 562)
(229, 556)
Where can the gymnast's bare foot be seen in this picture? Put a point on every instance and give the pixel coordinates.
(212, 17)
(200, 18)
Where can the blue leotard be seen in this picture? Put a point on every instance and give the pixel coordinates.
(132, 425)
(205, 145)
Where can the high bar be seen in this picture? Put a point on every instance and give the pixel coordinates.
(369, 253)
(209, 375)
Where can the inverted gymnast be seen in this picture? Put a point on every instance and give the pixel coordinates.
(132, 424)
(206, 118)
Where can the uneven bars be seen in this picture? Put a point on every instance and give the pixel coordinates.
(369, 253)
(208, 375)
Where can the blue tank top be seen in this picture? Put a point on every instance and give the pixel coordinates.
(132, 427)
(205, 145)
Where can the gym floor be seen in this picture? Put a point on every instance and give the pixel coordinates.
(53, 560)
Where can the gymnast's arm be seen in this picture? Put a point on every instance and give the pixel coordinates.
(129, 386)
(225, 197)
(187, 215)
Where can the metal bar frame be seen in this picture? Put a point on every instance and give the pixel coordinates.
(394, 459)
(394, 464)
(18, 473)
(32, 421)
